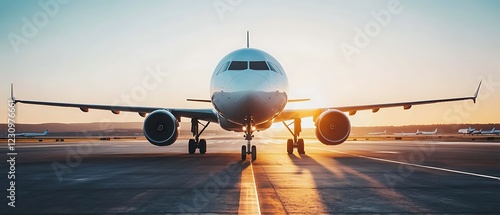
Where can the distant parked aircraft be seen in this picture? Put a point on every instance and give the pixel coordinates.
(377, 133)
(492, 131)
(466, 130)
(406, 134)
(427, 132)
(477, 132)
(32, 134)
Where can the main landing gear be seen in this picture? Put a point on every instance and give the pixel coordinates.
(295, 142)
(248, 149)
(197, 143)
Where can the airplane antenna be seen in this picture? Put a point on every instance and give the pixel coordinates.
(248, 39)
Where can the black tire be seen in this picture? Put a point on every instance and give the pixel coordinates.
(191, 146)
(300, 146)
(203, 146)
(254, 153)
(243, 153)
(289, 146)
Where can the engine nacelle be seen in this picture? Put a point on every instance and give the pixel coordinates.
(229, 126)
(161, 128)
(332, 127)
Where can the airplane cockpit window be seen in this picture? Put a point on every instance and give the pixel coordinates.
(254, 65)
(238, 65)
(258, 65)
(223, 68)
(274, 68)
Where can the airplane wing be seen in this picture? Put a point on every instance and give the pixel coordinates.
(301, 113)
(201, 114)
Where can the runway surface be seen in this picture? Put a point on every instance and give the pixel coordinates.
(114, 177)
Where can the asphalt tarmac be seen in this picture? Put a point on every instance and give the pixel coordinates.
(115, 177)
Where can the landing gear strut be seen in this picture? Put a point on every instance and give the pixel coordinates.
(295, 142)
(197, 143)
(248, 149)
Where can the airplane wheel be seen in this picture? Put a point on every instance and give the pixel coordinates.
(289, 146)
(300, 147)
(254, 153)
(203, 146)
(243, 153)
(191, 146)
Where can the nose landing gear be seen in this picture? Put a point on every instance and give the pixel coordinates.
(252, 152)
(248, 149)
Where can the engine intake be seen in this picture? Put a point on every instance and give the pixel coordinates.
(160, 128)
(332, 127)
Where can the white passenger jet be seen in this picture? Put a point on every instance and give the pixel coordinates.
(427, 132)
(248, 92)
(377, 133)
(33, 134)
(405, 134)
(492, 131)
(466, 130)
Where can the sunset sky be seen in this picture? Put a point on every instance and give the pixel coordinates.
(98, 51)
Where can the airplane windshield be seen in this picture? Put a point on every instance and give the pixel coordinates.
(223, 68)
(258, 65)
(238, 65)
(274, 68)
(253, 65)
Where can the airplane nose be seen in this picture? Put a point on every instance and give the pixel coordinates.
(249, 82)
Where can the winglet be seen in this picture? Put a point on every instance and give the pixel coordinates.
(248, 39)
(477, 92)
(12, 92)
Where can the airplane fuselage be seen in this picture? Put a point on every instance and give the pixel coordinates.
(248, 87)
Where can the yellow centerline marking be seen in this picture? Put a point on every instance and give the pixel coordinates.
(421, 166)
(255, 188)
(249, 198)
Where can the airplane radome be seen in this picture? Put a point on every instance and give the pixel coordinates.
(249, 92)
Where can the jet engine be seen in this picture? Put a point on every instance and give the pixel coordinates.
(161, 128)
(332, 127)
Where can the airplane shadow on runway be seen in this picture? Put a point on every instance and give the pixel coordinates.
(341, 188)
(208, 184)
(134, 183)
